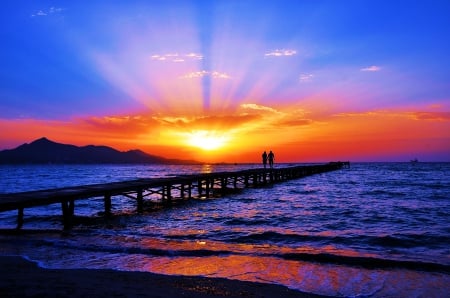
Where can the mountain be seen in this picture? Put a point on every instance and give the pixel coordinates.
(44, 151)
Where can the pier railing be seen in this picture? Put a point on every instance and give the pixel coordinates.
(162, 190)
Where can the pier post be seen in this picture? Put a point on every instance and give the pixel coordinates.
(169, 192)
(190, 190)
(107, 204)
(182, 190)
(71, 207)
(224, 182)
(199, 187)
(19, 218)
(207, 188)
(140, 201)
(67, 207)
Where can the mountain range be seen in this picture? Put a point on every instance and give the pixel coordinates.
(45, 151)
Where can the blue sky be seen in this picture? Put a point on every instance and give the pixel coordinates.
(66, 60)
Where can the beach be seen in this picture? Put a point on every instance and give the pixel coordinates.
(22, 278)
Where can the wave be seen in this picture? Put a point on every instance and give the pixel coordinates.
(367, 262)
(247, 221)
(303, 191)
(407, 240)
(276, 237)
(321, 258)
(384, 193)
(389, 241)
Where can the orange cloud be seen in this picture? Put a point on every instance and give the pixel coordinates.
(440, 116)
(295, 122)
(295, 134)
(121, 124)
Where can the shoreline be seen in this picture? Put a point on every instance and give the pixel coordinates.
(23, 278)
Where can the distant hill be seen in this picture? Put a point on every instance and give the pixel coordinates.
(44, 151)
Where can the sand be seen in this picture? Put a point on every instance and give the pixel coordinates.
(21, 278)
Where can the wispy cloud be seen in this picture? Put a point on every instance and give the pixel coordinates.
(438, 116)
(194, 56)
(172, 120)
(216, 122)
(46, 12)
(40, 13)
(294, 118)
(175, 57)
(306, 77)
(195, 74)
(372, 68)
(436, 106)
(254, 106)
(281, 53)
(220, 75)
(203, 73)
(362, 114)
(121, 124)
(295, 122)
(270, 119)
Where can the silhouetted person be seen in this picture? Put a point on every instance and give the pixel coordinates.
(264, 159)
(271, 157)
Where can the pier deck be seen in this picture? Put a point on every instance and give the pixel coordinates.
(164, 190)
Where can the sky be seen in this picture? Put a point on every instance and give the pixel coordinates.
(222, 81)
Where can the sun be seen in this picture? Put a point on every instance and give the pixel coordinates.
(207, 140)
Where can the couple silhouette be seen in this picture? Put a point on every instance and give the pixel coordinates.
(268, 157)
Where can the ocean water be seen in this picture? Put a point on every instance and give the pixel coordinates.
(373, 230)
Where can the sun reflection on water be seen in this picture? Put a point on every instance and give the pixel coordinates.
(315, 278)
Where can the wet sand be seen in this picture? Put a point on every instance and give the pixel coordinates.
(21, 278)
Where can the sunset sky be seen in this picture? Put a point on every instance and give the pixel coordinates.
(221, 81)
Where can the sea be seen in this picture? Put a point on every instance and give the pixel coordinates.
(371, 230)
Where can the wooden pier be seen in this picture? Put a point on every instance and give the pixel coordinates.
(164, 190)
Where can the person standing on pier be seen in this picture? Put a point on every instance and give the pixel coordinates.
(264, 159)
(271, 157)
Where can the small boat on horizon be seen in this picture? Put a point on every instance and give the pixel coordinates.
(415, 160)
